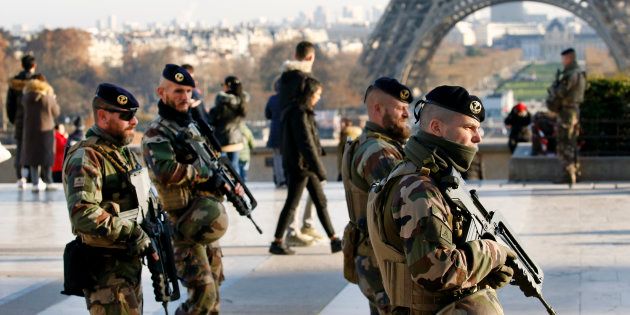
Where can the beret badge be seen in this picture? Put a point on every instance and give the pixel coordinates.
(404, 95)
(475, 107)
(179, 77)
(122, 100)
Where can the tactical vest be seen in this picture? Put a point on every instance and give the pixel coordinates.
(397, 280)
(125, 193)
(355, 187)
(356, 191)
(575, 97)
(178, 197)
(356, 198)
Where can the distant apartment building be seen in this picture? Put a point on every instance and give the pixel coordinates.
(547, 45)
(105, 49)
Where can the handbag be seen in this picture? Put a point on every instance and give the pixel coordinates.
(4, 153)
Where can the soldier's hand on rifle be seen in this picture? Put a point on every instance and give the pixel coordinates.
(239, 190)
(498, 277)
(216, 183)
(506, 254)
(139, 242)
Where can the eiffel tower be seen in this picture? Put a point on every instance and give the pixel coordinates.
(410, 31)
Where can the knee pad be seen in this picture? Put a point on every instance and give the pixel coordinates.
(204, 222)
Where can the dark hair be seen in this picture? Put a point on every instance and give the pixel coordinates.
(188, 67)
(311, 85)
(303, 49)
(28, 62)
(291, 86)
(235, 87)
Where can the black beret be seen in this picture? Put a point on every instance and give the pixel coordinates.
(177, 74)
(392, 87)
(568, 51)
(116, 96)
(457, 99)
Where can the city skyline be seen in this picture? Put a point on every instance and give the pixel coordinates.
(86, 14)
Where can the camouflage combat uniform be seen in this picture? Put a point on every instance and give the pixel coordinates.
(97, 191)
(368, 159)
(198, 217)
(414, 236)
(568, 94)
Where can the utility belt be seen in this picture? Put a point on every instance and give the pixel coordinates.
(433, 303)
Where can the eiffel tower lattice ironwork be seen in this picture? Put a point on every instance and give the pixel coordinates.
(410, 31)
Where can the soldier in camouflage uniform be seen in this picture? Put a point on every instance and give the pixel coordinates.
(367, 159)
(189, 192)
(565, 97)
(426, 266)
(99, 194)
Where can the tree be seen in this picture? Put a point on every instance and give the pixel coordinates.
(271, 62)
(63, 57)
(142, 70)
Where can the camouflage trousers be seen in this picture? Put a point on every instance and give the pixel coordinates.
(371, 284)
(200, 268)
(198, 255)
(120, 298)
(567, 131)
(482, 302)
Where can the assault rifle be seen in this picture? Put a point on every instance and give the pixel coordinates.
(153, 221)
(553, 101)
(486, 224)
(212, 156)
(163, 272)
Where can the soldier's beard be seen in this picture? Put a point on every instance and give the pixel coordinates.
(397, 129)
(181, 107)
(124, 137)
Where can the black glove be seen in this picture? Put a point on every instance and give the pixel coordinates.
(139, 243)
(215, 183)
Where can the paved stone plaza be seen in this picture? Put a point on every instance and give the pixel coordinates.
(580, 237)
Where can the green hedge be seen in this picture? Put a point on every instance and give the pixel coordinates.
(605, 117)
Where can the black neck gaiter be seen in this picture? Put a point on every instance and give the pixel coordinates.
(170, 113)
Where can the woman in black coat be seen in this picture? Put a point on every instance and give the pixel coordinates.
(226, 116)
(303, 167)
(518, 121)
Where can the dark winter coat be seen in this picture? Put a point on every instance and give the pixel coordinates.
(40, 111)
(226, 117)
(14, 101)
(520, 126)
(199, 112)
(273, 111)
(301, 148)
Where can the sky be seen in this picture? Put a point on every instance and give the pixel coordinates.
(85, 13)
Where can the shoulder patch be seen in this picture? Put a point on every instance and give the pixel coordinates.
(79, 182)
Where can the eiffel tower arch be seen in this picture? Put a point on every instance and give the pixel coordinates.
(410, 31)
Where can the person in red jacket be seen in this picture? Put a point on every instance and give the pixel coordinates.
(61, 138)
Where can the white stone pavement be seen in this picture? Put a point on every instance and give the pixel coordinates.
(580, 237)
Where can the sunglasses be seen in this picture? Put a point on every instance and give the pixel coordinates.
(125, 115)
